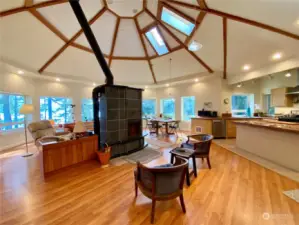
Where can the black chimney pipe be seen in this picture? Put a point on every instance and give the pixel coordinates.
(92, 40)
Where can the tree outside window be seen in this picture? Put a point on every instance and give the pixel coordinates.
(188, 108)
(87, 109)
(10, 105)
(148, 107)
(242, 105)
(57, 109)
(168, 108)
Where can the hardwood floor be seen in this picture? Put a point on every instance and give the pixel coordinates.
(235, 191)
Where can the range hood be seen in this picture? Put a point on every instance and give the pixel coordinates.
(294, 90)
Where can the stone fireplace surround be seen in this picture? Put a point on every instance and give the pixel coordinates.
(119, 118)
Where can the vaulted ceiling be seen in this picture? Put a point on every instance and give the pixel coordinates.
(44, 36)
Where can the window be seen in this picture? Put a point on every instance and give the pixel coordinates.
(87, 109)
(56, 108)
(176, 21)
(168, 108)
(156, 41)
(270, 110)
(242, 105)
(10, 105)
(188, 107)
(148, 107)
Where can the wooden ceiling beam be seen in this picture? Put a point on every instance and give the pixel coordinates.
(145, 51)
(181, 43)
(114, 41)
(28, 3)
(199, 21)
(236, 18)
(97, 16)
(44, 21)
(202, 4)
(172, 50)
(224, 20)
(35, 6)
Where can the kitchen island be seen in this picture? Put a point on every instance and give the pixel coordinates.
(275, 141)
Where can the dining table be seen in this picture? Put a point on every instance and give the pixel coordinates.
(164, 122)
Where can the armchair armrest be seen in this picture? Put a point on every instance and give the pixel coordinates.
(195, 136)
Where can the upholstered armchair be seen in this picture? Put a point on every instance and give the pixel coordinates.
(162, 182)
(201, 144)
(41, 129)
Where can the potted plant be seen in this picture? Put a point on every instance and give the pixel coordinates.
(104, 155)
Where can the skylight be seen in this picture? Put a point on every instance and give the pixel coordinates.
(156, 41)
(176, 21)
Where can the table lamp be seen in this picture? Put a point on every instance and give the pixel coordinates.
(79, 129)
(25, 110)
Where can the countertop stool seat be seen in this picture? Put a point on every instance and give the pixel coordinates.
(186, 154)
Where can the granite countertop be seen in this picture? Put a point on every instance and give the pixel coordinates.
(272, 125)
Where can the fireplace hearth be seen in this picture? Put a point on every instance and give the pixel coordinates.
(119, 122)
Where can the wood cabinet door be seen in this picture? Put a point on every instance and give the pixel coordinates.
(279, 98)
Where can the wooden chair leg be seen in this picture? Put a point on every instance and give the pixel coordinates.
(209, 164)
(136, 189)
(153, 211)
(182, 203)
(194, 166)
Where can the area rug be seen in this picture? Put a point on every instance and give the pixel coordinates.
(144, 156)
(161, 144)
(293, 194)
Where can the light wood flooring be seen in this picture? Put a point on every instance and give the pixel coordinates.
(235, 191)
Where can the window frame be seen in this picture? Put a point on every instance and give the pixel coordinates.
(65, 97)
(150, 27)
(161, 107)
(180, 14)
(155, 105)
(12, 130)
(182, 107)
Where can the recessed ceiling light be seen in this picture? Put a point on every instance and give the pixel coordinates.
(146, 86)
(276, 56)
(239, 85)
(246, 67)
(57, 79)
(297, 22)
(194, 46)
(20, 72)
(94, 84)
(288, 75)
(196, 80)
(134, 11)
(167, 85)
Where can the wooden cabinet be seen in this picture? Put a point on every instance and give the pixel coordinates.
(280, 99)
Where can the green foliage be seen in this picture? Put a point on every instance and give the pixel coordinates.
(149, 107)
(168, 107)
(87, 109)
(188, 107)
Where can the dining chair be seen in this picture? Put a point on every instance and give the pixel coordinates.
(201, 144)
(174, 127)
(161, 183)
(154, 126)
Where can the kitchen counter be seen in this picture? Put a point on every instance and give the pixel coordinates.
(275, 141)
(272, 125)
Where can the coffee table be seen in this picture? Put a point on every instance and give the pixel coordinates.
(186, 154)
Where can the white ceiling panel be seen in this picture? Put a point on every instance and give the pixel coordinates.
(189, 12)
(255, 46)
(126, 8)
(64, 19)
(104, 38)
(76, 62)
(277, 13)
(144, 19)
(131, 72)
(169, 39)
(128, 42)
(152, 6)
(210, 35)
(182, 64)
(11, 4)
(27, 41)
(150, 50)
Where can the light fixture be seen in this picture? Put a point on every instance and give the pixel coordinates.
(276, 56)
(196, 80)
(20, 72)
(94, 84)
(239, 85)
(167, 85)
(57, 79)
(194, 46)
(246, 67)
(288, 75)
(146, 86)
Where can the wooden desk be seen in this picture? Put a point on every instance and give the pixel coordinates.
(57, 155)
